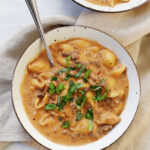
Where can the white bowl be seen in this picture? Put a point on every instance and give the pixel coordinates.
(117, 8)
(105, 40)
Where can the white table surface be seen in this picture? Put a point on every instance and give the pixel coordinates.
(14, 14)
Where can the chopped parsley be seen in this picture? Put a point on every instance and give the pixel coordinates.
(86, 75)
(52, 88)
(62, 70)
(50, 106)
(83, 68)
(89, 114)
(66, 124)
(100, 97)
(79, 115)
(54, 78)
(60, 88)
(81, 100)
(90, 125)
(78, 66)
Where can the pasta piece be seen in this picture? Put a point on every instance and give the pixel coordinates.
(113, 93)
(118, 71)
(89, 96)
(37, 84)
(61, 60)
(66, 48)
(82, 126)
(80, 43)
(93, 48)
(60, 114)
(111, 2)
(117, 110)
(84, 85)
(111, 82)
(38, 66)
(108, 118)
(46, 119)
(39, 104)
(109, 59)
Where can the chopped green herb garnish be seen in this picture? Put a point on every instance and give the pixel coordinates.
(89, 114)
(60, 88)
(66, 124)
(54, 78)
(102, 81)
(68, 76)
(71, 100)
(62, 70)
(90, 125)
(86, 75)
(58, 102)
(79, 115)
(78, 66)
(95, 88)
(62, 102)
(50, 106)
(52, 88)
(81, 100)
(60, 118)
(80, 72)
(67, 63)
(100, 97)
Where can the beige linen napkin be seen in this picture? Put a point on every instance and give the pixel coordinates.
(10, 52)
(129, 28)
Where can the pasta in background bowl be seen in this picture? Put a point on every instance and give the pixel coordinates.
(111, 5)
(30, 56)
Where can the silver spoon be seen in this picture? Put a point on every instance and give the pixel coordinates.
(34, 12)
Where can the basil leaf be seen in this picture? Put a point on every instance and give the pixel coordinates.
(54, 78)
(50, 106)
(89, 114)
(52, 88)
(80, 72)
(66, 124)
(79, 115)
(100, 97)
(90, 125)
(86, 75)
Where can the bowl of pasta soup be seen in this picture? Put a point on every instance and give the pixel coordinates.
(88, 99)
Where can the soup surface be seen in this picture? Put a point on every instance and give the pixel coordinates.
(111, 3)
(79, 100)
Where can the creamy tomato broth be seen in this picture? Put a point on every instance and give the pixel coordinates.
(107, 2)
(79, 100)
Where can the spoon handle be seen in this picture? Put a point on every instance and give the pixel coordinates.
(34, 12)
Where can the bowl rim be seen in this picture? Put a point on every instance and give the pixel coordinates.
(108, 11)
(12, 98)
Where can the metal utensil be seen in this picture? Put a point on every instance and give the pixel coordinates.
(34, 12)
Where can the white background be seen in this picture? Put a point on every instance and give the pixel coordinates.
(14, 14)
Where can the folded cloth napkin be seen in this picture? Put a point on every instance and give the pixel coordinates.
(129, 28)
